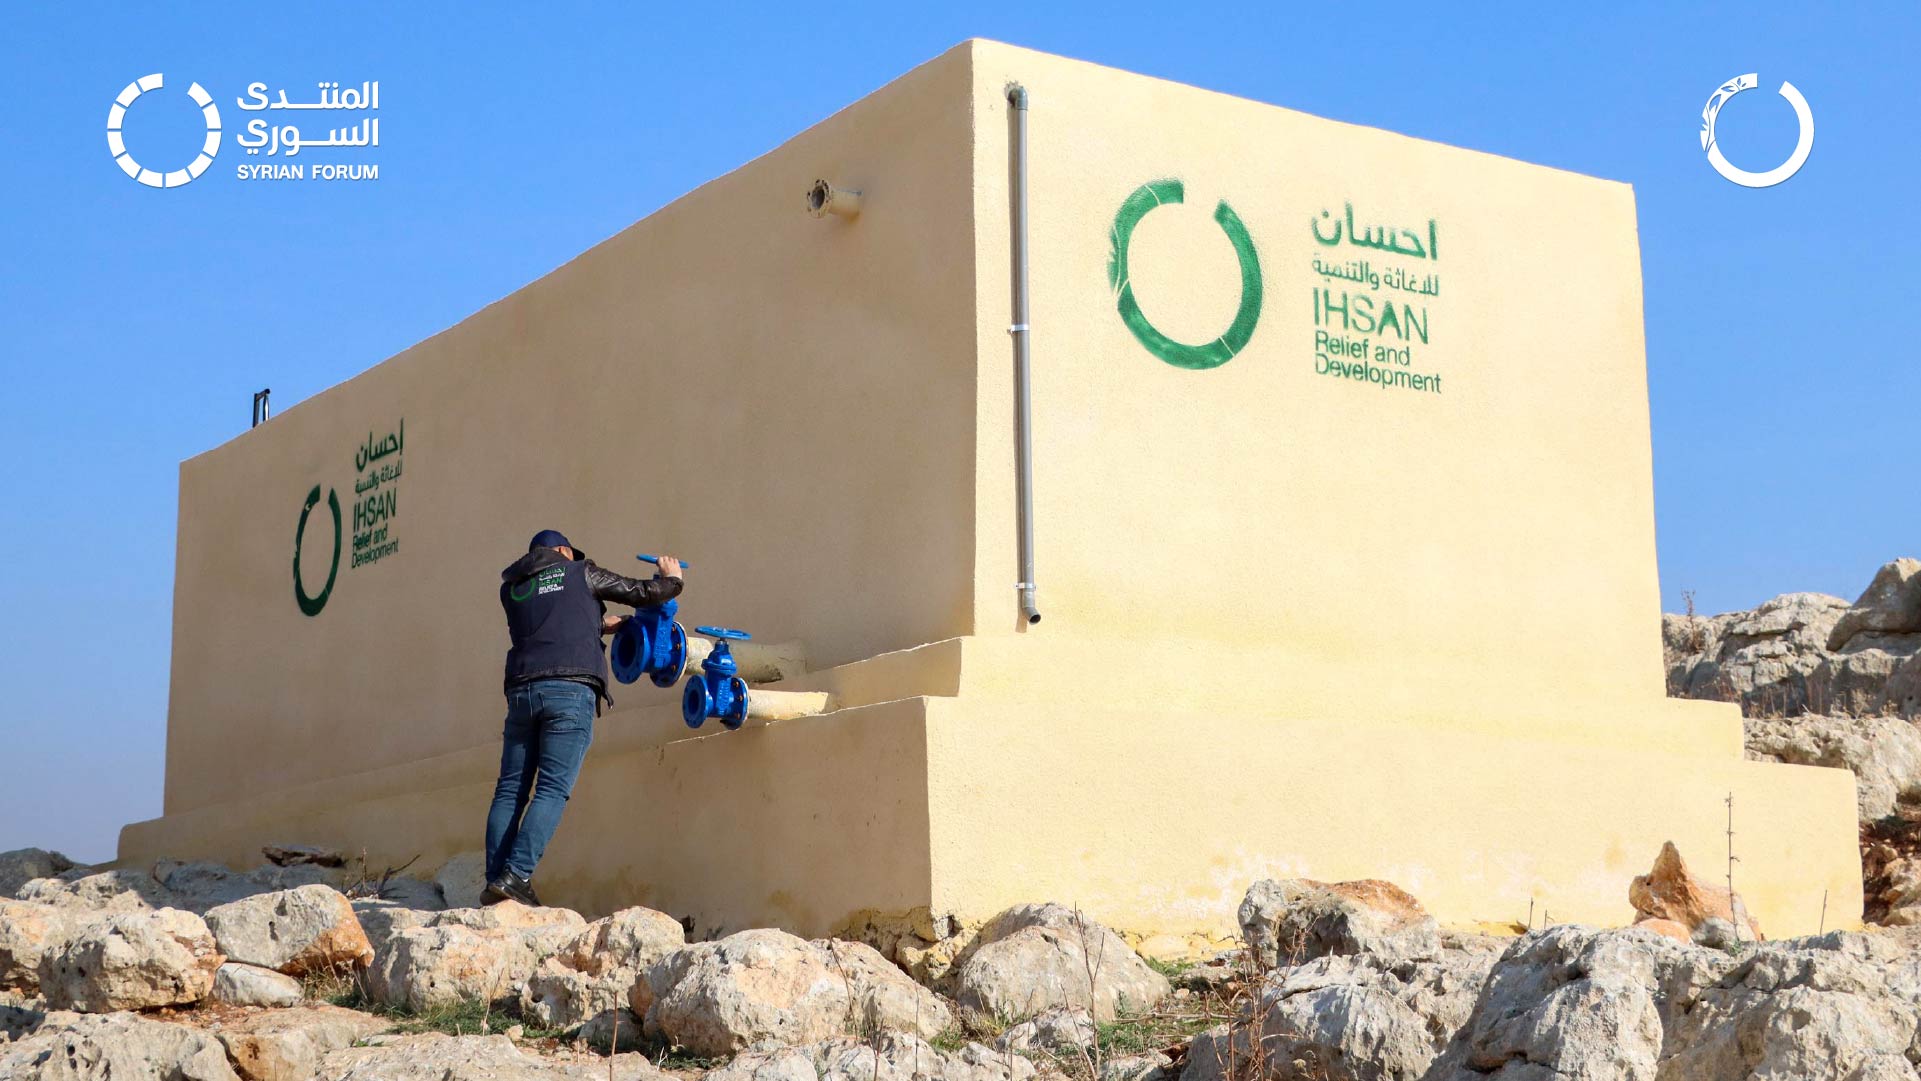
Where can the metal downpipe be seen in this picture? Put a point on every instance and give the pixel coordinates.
(1023, 396)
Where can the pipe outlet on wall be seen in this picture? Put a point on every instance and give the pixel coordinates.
(824, 199)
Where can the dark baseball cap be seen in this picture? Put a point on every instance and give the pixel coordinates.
(553, 538)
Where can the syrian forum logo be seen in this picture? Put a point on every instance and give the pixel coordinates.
(1802, 147)
(150, 177)
(278, 140)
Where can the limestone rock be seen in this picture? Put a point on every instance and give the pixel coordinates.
(1762, 659)
(428, 967)
(1800, 617)
(558, 995)
(628, 1067)
(1055, 1031)
(900, 1056)
(769, 985)
(1892, 602)
(1670, 892)
(1568, 1002)
(928, 957)
(298, 931)
(1579, 1003)
(514, 916)
(21, 1017)
(883, 998)
(1884, 753)
(462, 879)
(250, 985)
(132, 961)
(892, 1056)
(123, 890)
(1716, 934)
(1842, 1005)
(1347, 1017)
(23, 865)
(287, 1045)
(632, 938)
(1151, 1066)
(201, 886)
(470, 953)
(1671, 930)
(660, 977)
(770, 1062)
(1902, 894)
(116, 1047)
(27, 931)
(616, 1022)
(1807, 653)
(1855, 682)
(1297, 920)
(436, 1057)
(1032, 957)
(1902, 694)
(596, 970)
(381, 920)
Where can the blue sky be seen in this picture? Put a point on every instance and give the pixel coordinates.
(135, 324)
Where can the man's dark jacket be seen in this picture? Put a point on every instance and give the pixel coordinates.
(554, 609)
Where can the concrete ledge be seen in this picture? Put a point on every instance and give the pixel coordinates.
(736, 829)
(1227, 679)
(1159, 819)
(1155, 819)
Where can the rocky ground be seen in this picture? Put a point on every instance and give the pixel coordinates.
(306, 972)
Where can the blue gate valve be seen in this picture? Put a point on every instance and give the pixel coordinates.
(650, 643)
(716, 691)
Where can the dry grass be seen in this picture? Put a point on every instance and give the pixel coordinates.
(366, 882)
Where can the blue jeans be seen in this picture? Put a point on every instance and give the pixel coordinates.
(550, 722)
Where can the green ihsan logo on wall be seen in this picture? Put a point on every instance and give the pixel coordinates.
(1230, 342)
(312, 605)
(377, 470)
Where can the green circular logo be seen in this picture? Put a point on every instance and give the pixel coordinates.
(312, 605)
(1211, 354)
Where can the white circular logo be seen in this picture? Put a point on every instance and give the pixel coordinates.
(1780, 172)
(149, 177)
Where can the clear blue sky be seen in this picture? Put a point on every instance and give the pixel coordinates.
(134, 324)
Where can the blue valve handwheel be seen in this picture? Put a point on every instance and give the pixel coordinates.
(728, 633)
(676, 657)
(736, 712)
(693, 703)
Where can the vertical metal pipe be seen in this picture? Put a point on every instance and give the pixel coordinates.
(1023, 348)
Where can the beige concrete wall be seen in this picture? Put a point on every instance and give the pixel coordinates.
(786, 402)
(1501, 531)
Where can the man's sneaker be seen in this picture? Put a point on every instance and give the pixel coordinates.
(492, 895)
(512, 887)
